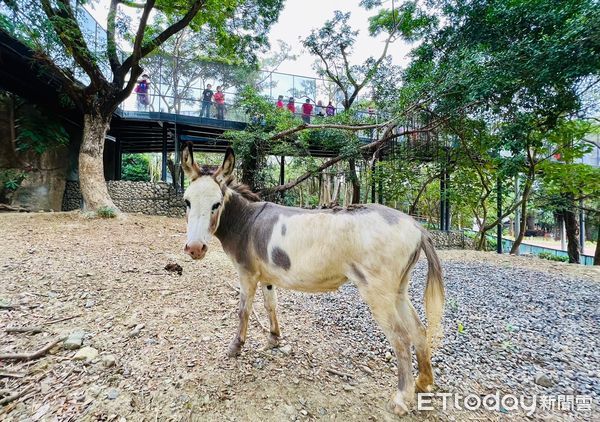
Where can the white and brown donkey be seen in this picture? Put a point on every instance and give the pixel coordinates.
(317, 251)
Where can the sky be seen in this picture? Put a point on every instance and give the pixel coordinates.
(299, 17)
(296, 21)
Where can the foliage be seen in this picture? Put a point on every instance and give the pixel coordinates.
(38, 131)
(96, 80)
(11, 179)
(553, 257)
(106, 212)
(136, 167)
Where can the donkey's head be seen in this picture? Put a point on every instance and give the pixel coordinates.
(204, 199)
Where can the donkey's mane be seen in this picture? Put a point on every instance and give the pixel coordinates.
(243, 190)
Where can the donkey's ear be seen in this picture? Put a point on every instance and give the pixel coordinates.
(228, 164)
(190, 168)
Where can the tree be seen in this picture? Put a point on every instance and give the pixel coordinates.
(333, 43)
(522, 69)
(97, 94)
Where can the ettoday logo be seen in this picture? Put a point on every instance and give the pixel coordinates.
(503, 402)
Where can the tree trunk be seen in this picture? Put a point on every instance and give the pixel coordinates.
(481, 241)
(91, 163)
(572, 230)
(355, 182)
(250, 166)
(526, 191)
(597, 253)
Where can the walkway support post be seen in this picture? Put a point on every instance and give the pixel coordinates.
(581, 227)
(499, 215)
(282, 175)
(443, 198)
(119, 159)
(163, 175)
(447, 199)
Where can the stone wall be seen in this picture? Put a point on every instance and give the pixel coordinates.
(451, 240)
(143, 197)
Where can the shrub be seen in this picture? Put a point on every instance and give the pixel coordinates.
(135, 168)
(552, 257)
(11, 179)
(106, 212)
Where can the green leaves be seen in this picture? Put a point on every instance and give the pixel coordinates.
(38, 130)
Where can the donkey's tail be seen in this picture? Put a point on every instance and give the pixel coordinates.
(434, 292)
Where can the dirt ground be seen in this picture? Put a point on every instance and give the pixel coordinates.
(162, 337)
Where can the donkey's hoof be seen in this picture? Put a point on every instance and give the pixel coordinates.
(400, 403)
(273, 341)
(423, 385)
(235, 349)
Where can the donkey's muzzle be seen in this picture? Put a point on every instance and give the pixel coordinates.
(196, 250)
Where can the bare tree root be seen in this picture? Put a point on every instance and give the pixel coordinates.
(13, 397)
(33, 330)
(33, 355)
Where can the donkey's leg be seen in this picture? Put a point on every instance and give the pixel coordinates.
(383, 306)
(247, 291)
(424, 383)
(270, 299)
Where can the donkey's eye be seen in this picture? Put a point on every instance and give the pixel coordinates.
(216, 206)
(187, 204)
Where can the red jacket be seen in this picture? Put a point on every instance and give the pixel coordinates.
(219, 98)
(279, 104)
(307, 109)
(291, 107)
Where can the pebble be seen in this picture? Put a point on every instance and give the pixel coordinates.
(136, 331)
(286, 350)
(112, 394)
(543, 380)
(86, 353)
(109, 361)
(75, 340)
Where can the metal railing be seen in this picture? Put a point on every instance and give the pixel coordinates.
(529, 249)
(31, 24)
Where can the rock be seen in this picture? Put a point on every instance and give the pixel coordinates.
(136, 331)
(94, 390)
(112, 394)
(89, 303)
(289, 410)
(543, 380)
(75, 340)
(366, 369)
(304, 412)
(388, 356)
(286, 350)
(86, 353)
(5, 303)
(348, 387)
(109, 361)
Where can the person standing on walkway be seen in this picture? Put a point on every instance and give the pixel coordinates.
(207, 95)
(220, 103)
(330, 110)
(141, 89)
(280, 102)
(319, 109)
(307, 109)
(291, 106)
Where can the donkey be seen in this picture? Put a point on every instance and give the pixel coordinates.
(317, 251)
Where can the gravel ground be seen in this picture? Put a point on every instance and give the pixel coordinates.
(513, 325)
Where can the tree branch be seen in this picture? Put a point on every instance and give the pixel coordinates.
(111, 45)
(157, 41)
(65, 25)
(387, 136)
(306, 126)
